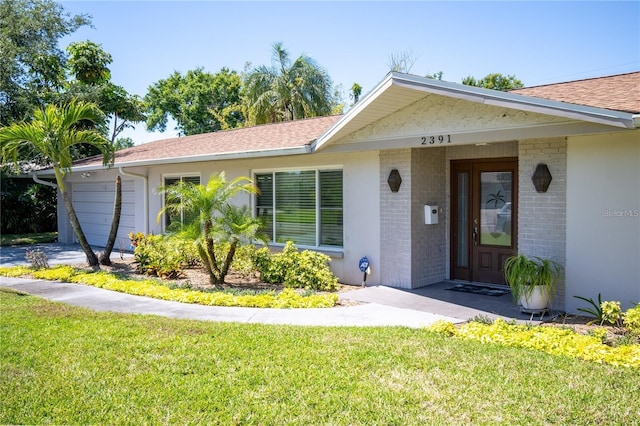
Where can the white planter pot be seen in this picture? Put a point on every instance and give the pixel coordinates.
(537, 300)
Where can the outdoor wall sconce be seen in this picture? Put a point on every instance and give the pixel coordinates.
(394, 180)
(541, 178)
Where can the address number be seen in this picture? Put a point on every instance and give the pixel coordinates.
(437, 139)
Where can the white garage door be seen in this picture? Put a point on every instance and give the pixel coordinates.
(93, 203)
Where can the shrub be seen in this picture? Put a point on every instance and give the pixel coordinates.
(611, 313)
(244, 259)
(165, 257)
(37, 258)
(631, 320)
(307, 269)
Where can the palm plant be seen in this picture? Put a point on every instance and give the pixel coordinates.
(212, 220)
(287, 91)
(524, 274)
(52, 133)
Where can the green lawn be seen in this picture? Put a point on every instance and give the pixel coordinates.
(66, 365)
(22, 239)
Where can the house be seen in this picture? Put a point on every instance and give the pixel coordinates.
(430, 180)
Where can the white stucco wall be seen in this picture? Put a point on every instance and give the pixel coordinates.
(603, 218)
(361, 198)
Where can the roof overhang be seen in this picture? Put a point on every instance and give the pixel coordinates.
(236, 155)
(398, 90)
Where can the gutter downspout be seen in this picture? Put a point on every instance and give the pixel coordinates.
(145, 198)
(36, 179)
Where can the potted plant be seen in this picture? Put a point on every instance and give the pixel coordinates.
(532, 280)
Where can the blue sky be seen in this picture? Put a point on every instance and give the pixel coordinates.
(538, 42)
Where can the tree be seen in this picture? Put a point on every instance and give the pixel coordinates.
(199, 102)
(90, 66)
(52, 133)
(31, 64)
(356, 91)
(402, 61)
(287, 91)
(212, 220)
(495, 81)
(89, 63)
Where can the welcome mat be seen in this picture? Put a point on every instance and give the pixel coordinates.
(485, 291)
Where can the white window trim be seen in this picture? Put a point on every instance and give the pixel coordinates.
(333, 251)
(163, 178)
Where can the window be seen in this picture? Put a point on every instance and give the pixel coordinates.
(175, 217)
(291, 209)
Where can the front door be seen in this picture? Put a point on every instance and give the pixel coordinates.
(484, 212)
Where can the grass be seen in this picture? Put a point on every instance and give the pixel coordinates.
(24, 239)
(67, 365)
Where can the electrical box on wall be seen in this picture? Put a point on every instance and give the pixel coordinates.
(430, 215)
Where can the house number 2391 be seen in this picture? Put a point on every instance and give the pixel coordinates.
(437, 139)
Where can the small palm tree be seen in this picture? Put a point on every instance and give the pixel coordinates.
(212, 220)
(287, 91)
(52, 133)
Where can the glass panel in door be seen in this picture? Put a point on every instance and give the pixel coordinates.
(495, 208)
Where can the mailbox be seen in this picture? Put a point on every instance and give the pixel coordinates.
(430, 215)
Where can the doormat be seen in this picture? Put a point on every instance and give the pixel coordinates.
(485, 291)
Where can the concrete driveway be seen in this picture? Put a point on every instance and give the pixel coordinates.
(68, 254)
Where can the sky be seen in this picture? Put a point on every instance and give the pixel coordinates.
(538, 42)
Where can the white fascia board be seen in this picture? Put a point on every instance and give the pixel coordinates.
(238, 155)
(354, 111)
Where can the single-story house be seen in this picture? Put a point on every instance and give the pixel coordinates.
(430, 180)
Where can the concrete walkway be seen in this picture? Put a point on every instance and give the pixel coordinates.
(379, 305)
(366, 314)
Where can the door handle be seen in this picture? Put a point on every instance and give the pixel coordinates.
(475, 232)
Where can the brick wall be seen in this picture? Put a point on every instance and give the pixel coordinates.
(395, 220)
(428, 242)
(542, 216)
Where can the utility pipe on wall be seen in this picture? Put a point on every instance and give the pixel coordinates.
(145, 198)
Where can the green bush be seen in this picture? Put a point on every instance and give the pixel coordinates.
(611, 312)
(163, 256)
(244, 259)
(27, 207)
(631, 320)
(294, 269)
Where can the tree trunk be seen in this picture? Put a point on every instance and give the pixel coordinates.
(105, 257)
(227, 261)
(92, 259)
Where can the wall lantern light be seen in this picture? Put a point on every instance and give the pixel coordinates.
(394, 180)
(541, 178)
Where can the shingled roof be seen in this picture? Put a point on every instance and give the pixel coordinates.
(617, 92)
(274, 138)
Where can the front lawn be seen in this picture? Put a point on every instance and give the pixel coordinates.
(24, 239)
(67, 365)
